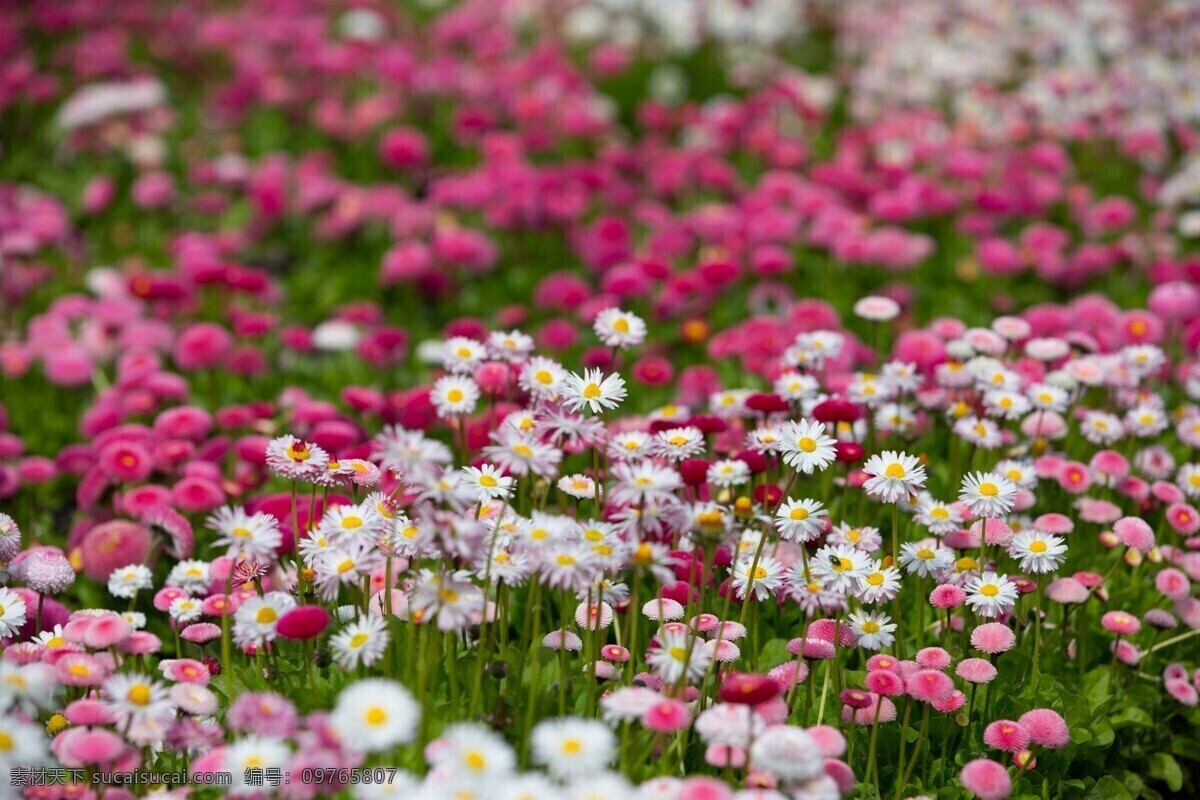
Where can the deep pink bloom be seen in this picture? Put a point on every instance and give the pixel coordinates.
(1006, 735)
(1046, 727)
(947, 596)
(1120, 622)
(884, 682)
(993, 638)
(976, 670)
(933, 658)
(184, 670)
(986, 779)
(303, 622)
(1134, 533)
(667, 716)
(929, 686)
(112, 545)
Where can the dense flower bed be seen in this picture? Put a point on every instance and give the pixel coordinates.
(671, 399)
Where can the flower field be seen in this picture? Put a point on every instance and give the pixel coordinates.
(600, 399)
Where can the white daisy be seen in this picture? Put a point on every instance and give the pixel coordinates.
(893, 476)
(488, 482)
(460, 354)
(805, 447)
(763, 578)
(132, 696)
(513, 346)
(678, 444)
(839, 567)
(1038, 552)
(593, 390)
(12, 613)
(361, 642)
(879, 585)
(990, 594)
(800, 520)
(129, 580)
(728, 472)
(254, 535)
(872, 631)
(454, 395)
(255, 619)
(617, 328)
(987, 494)
(571, 747)
(925, 558)
(542, 377)
(375, 715)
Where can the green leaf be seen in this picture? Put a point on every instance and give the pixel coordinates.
(1096, 688)
(1166, 769)
(1109, 788)
(1131, 716)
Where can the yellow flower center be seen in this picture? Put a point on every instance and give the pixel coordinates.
(298, 451)
(875, 579)
(572, 746)
(52, 642)
(352, 522)
(621, 324)
(870, 626)
(376, 716)
(678, 441)
(966, 563)
(78, 670)
(939, 513)
(593, 535)
(475, 760)
(139, 694)
(1037, 547)
(448, 595)
(6, 742)
(487, 480)
(358, 640)
(644, 555)
(345, 566)
(454, 395)
(799, 513)
(989, 590)
(807, 444)
(759, 573)
(242, 533)
(543, 376)
(522, 450)
(988, 489)
(895, 471)
(678, 653)
(1013, 475)
(565, 560)
(464, 352)
(925, 553)
(266, 615)
(591, 391)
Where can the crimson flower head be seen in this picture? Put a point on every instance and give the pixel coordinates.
(694, 471)
(708, 424)
(768, 494)
(303, 622)
(836, 409)
(748, 688)
(849, 452)
(766, 403)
